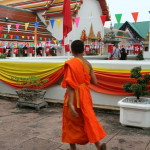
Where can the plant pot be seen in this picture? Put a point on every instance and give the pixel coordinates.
(31, 98)
(135, 113)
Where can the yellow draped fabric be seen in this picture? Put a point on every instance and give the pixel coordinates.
(110, 81)
(24, 69)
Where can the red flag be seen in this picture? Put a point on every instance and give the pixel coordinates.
(67, 18)
(135, 16)
(1, 28)
(103, 19)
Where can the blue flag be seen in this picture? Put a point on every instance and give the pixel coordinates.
(52, 23)
(36, 24)
(17, 36)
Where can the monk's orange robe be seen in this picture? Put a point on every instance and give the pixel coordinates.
(85, 128)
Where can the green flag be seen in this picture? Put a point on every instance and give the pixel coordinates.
(5, 36)
(118, 17)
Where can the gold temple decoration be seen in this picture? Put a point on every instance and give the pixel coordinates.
(91, 34)
(83, 36)
(99, 36)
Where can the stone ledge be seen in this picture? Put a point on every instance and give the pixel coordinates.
(59, 103)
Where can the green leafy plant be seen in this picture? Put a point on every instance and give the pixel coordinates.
(140, 56)
(140, 87)
(3, 56)
(33, 83)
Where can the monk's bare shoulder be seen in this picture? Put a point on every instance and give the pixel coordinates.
(88, 63)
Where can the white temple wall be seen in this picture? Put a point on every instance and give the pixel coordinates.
(89, 12)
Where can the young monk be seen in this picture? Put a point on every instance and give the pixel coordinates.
(80, 124)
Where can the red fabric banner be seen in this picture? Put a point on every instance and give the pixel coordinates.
(67, 18)
(67, 48)
(87, 48)
(137, 48)
(31, 50)
(15, 50)
(110, 48)
(103, 19)
(135, 16)
(1, 50)
(47, 49)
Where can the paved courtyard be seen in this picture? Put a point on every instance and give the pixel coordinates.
(28, 129)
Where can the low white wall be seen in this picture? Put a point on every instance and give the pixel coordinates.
(57, 93)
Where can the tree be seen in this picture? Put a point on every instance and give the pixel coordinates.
(140, 87)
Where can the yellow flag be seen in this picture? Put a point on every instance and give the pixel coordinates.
(26, 26)
(58, 21)
(22, 37)
(54, 41)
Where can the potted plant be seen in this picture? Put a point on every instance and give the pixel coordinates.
(32, 93)
(140, 56)
(135, 111)
(3, 56)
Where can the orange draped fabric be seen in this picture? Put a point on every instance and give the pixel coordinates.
(111, 83)
(85, 128)
(53, 78)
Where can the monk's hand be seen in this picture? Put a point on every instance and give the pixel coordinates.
(73, 111)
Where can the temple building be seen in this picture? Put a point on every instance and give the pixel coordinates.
(18, 24)
(139, 32)
(49, 14)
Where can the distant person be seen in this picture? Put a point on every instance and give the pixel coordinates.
(80, 124)
(123, 54)
(115, 55)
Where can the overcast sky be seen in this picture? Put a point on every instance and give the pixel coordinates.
(126, 7)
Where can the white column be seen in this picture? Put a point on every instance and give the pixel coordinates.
(149, 32)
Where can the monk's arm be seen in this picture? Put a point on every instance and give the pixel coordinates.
(70, 101)
(93, 76)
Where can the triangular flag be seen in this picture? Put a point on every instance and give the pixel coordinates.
(45, 39)
(77, 19)
(36, 24)
(17, 36)
(103, 19)
(41, 38)
(22, 37)
(26, 25)
(54, 41)
(1, 28)
(28, 37)
(9, 27)
(11, 36)
(67, 18)
(17, 26)
(118, 17)
(52, 23)
(58, 21)
(33, 37)
(5, 36)
(135, 16)
(1, 35)
(149, 12)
